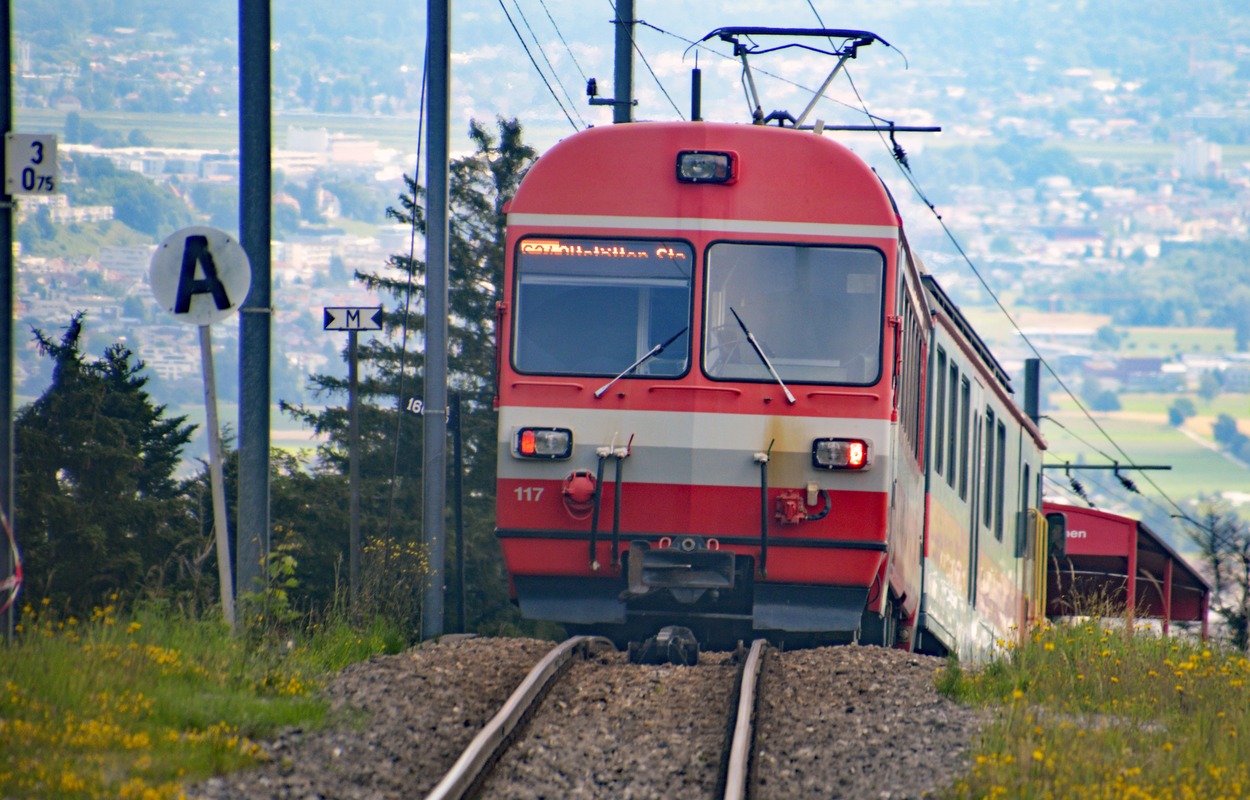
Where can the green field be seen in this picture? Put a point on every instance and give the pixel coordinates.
(1141, 430)
(1175, 341)
(1153, 153)
(212, 132)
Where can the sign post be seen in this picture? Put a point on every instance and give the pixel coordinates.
(200, 275)
(30, 168)
(353, 320)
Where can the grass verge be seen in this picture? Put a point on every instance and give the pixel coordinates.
(132, 706)
(1094, 710)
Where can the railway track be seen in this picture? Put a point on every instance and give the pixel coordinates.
(708, 710)
(834, 722)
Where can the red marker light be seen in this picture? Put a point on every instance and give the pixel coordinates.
(545, 443)
(855, 453)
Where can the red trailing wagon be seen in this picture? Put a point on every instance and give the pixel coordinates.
(731, 400)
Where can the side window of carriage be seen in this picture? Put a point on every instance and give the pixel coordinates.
(939, 415)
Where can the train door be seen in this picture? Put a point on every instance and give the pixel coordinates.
(974, 508)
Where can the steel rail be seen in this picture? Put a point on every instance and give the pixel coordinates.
(743, 742)
(491, 741)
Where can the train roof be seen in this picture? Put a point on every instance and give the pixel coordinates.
(938, 295)
(785, 175)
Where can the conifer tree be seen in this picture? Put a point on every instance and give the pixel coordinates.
(98, 503)
(392, 370)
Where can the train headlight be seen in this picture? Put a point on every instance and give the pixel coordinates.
(840, 454)
(696, 166)
(546, 443)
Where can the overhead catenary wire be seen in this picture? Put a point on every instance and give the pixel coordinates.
(910, 178)
(530, 55)
(905, 171)
(543, 52)
(567, 49)
(633, 41)
(412, 254)
(1065, 488)
(1076, 436)
(701, 46)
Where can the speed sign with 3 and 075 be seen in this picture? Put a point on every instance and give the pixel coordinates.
(30, 163)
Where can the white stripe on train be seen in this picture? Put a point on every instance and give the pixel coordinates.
(567, 221)
(705, 449)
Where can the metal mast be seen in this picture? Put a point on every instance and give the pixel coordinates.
(7, 473)
(434, 430)
(252, 536)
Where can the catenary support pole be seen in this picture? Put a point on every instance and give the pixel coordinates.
(254, 319)
(623, 72)
(8, 475)
(434, 429)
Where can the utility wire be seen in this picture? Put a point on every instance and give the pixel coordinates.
(547, 83)
(567, 49)
(1074, 435)
(755, 70)
(900, 161)
(646, 63)
(546, 60)
(412, 254)
(907, 175)
(1067, 491)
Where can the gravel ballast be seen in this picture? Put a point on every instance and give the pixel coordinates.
(842, 722)
(857, 722)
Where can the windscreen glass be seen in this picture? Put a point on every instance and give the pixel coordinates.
(600, 306)
(814, 312)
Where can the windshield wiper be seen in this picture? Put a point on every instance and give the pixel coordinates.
(650, 354)
(759, 351)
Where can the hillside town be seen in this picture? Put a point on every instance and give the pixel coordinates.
(1092, 166)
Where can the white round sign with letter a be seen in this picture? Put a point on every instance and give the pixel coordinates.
(200, 275)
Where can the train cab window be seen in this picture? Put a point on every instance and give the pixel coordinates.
(817, 313)
(598, 306)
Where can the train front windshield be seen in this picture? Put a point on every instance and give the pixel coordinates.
(599, 306)
(815, 312)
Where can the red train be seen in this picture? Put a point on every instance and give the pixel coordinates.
(731, 399)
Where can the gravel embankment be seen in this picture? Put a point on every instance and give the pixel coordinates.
(857, 722)
(845, 722)
(421, 708)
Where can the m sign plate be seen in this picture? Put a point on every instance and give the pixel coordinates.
(200, 275)
(344, 318)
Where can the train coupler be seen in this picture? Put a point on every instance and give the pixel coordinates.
(672, 645)
(687, 568)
